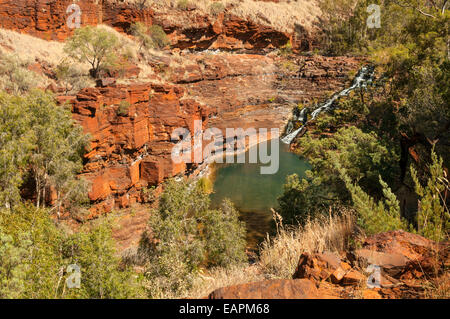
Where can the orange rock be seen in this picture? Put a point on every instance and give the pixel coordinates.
(353, 278)
(269, 289)
(371, 294)
(100, 189)
(319, 266)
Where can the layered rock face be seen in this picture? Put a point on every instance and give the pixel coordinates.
(130, 128)
(132, 150)
(47, 19)
(193, 29)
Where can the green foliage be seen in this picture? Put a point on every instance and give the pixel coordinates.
(101, 274)
(374, 217)
(300, 200)
(183, 4)
(364, 156)
(150, 37)
(187, 235)
(159, 37)
(205, 185)
(433, 217)
(14, 75)
(35, 253)
(95, 46)
(42, 143)
(29, 259)
(141, 32)
(123, 108)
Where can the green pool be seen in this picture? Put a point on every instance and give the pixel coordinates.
(253, 193)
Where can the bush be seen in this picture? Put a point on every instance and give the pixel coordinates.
(433, 218)
(35, 253)
(183, 4)
(149, 37)
(95, 46)
(123, 108)
(14, 77)
(141, 32)
(187, 235)
(159, 37)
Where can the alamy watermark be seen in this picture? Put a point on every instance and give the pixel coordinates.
(374, 19)
(74, 19)
(212, 145)
(74, 279)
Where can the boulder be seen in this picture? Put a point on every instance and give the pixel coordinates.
(321, 267)
(353, 278)
(269, 289)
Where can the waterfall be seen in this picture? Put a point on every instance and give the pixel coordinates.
(290, 137)
(364, 76)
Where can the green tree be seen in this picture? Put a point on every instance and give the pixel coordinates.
(15, 147)
(30, 259)
(35, 254)
(374, 217)
(58, 145)
(187, 235)
(365, 156)
(40, 141)
(141, 32)
(102, 275)
(433, 218)
(95, 46)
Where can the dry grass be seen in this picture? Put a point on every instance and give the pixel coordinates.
(280, 255)
(29, 50)
(224, 277)
(281, 16)
(438, 288)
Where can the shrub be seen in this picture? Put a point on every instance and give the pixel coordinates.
(122, 110)
(95, 46)
(14, 77)
(159, 37)
(187, 235)
(433, 218)
(141, 32)
(183, 4)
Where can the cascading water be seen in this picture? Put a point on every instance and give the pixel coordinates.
(362, 79)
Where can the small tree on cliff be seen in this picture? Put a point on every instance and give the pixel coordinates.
(95, 46)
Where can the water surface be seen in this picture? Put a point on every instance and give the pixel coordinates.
(253, 193)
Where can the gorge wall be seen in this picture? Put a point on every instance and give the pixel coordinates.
(230, 87)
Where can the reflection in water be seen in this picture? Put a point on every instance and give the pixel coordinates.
(253, 193)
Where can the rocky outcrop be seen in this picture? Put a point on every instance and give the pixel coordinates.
(187, 29)
(131, 150)
(394, 264)
(269, 289)
(47, 19)
(130, 128)
(199, 31)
